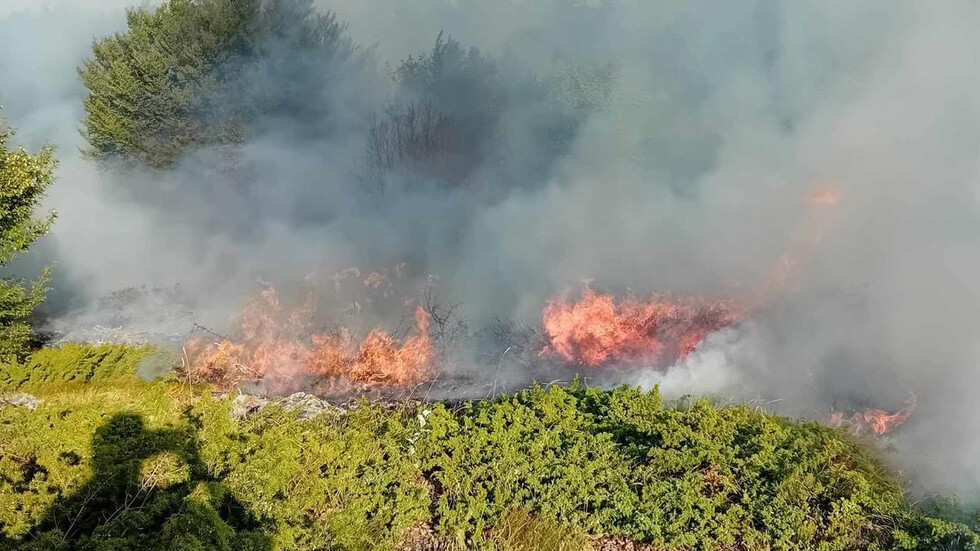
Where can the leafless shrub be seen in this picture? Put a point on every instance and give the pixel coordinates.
(448, 327)
(518, 342)
(414, 141)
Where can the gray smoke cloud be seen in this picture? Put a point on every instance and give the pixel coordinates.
(688, 174)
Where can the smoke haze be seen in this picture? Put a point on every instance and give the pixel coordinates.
(686, 170)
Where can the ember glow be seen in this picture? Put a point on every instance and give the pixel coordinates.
(824, 195)
(810, 232)
(878, 421)
(597, 330)
(278, 348)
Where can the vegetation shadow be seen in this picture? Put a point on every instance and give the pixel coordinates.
(149, 490)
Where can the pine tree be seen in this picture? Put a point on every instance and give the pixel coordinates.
(24, 178)
(207, 73)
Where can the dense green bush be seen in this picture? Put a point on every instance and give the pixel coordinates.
(535, 450)
(121, 463)
(698, 477)
(350, 480)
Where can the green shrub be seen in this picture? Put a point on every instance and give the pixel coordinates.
(701, 477)
(89, 446)
(532, 450)
(74, 363)
(351, 481)
(929, 533)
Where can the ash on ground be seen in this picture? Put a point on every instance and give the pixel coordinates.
(308, 405)
(135, 315)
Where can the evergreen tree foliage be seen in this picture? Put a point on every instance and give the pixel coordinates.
(24, 178)
(208, 73)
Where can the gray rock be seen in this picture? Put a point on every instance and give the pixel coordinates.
(21, 400)
(245, 404)
(308, 405)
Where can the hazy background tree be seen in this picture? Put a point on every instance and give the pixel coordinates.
(464, 83)
(24, 178)
(462, 118)
(195, 73)
(416, 139)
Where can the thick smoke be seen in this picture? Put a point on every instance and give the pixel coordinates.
(683, 166)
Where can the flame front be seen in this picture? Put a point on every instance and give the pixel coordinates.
(279, 349)
(379, 360)
(596, 330)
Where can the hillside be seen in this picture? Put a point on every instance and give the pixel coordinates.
(100, 459)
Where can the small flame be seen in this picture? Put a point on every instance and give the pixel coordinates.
(596, 330)
(810, 232)
(878, 421)
(824, 195)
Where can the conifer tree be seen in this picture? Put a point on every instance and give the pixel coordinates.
(24, 178)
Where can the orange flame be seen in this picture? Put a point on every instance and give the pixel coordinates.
(379, 360)
(278, 348)
(878, 421)
(597, 330)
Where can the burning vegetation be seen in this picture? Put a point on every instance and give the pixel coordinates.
(823, 196)
(279, 350)
(598, 330)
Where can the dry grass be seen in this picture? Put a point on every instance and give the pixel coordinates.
(521, 530)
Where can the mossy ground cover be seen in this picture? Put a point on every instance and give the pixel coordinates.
(109, 461)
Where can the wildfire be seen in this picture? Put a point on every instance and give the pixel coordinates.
(877, 421)
(278, 348)
(599, 330)
(596, 330)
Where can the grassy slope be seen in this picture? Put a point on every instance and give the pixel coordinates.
(111, 462)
